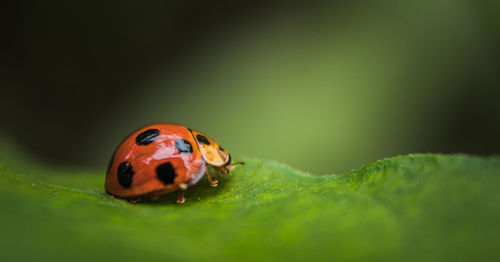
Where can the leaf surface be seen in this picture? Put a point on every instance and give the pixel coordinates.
(408, 208)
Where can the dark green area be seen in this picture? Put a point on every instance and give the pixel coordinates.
(324, 86)
(409, 208)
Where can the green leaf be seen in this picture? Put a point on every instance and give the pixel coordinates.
(409, 208)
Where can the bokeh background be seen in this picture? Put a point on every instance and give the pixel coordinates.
(322, 86)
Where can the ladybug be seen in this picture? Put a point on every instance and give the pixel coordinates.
(162, 158)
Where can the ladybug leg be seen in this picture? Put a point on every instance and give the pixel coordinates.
(228, 168)
(221, 170)
(213, 180)
(180, 193)
(180, 197)
(134, 200)
(155, 196)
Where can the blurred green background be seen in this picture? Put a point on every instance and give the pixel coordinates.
(322, 86)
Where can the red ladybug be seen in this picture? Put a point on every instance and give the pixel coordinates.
(162, 158)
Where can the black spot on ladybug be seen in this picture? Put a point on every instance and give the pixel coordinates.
(183, 146)
(147, 137)
(202, 139)
(125, 174)
(166, 173)
(229, 160)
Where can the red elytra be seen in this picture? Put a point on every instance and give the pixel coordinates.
(162, 158)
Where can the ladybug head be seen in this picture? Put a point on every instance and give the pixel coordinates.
(213, 153)
(229, 165)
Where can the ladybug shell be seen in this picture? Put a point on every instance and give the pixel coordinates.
(154, 160)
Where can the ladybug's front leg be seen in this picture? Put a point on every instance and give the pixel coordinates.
(213, 180)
